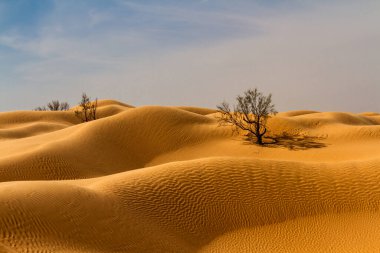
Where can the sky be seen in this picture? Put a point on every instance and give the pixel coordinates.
(310, 55)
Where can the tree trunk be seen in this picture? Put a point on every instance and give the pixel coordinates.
(259, 136)
(259, 139)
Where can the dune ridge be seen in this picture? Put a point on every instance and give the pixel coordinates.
(168, 179)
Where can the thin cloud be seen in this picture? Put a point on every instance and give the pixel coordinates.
(321, 56)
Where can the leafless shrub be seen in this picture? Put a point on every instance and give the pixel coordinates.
(86, 108)
(54, 105)
(250, 114)
(41, 108)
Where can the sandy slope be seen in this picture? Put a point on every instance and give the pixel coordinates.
(168, 179)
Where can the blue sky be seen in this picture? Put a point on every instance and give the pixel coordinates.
(320, 55)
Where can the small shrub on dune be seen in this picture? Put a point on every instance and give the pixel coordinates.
(86, 108)
(250, 114)
(54, 105)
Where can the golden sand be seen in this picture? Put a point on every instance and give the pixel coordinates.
(168, 179)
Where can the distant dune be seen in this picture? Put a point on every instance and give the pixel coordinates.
(169, 179)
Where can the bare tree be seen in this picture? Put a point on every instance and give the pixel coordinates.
(41, 108)
(87, 109)
(250, 114)
(64, 106)
(54, 105)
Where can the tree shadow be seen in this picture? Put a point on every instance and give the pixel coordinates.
(293, 142)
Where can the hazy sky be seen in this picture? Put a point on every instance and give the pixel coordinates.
(318, 55)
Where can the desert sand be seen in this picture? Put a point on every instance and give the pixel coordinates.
(169, 179)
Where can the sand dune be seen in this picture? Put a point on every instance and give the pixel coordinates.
(197, 110)
(168, 179)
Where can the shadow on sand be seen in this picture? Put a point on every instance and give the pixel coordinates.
(292, 142)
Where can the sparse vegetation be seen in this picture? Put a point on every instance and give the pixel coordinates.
(250, 114)
(86, 108)
(54, 105)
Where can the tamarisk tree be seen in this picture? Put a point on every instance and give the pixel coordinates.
(86, 108)
(250, 114)
(54, 105)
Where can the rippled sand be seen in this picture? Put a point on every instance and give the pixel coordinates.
(168, 179)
